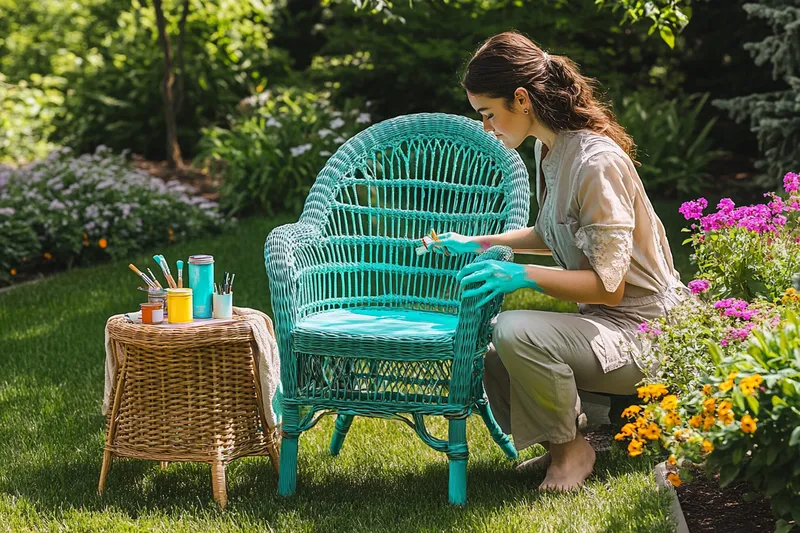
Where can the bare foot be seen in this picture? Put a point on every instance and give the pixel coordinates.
(571, 464)
(542, 461)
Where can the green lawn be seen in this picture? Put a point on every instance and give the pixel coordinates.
(52, 432)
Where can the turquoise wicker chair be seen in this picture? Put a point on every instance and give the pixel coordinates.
(365, 326)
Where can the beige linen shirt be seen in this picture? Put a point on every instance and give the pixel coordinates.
(594, 213)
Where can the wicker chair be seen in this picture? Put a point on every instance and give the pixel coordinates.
(367, 327)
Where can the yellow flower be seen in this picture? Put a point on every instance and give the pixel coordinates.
(651, 432)
(641, 422)
(695, 421)
(48, 256)
(709, 404)
(732, 375)
(707, 447)
(170, 231)
(672, 460)
(672, 419)
(631, 411)
(724, 408)
(726, 385)
(675, 479)
(708, 422)
(748, 424)
(635, 447)
(628, 430)
(727, 418)
(670, 402)
(757, 379)
(708, 390)
(102, 243)
(747, 386)
(658, 390)
(13, 271)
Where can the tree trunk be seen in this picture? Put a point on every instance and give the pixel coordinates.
(167, 90)
(179, 57)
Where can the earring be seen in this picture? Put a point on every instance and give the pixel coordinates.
(526, 111)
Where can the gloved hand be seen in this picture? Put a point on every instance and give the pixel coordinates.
(499, 277)
(456, 244)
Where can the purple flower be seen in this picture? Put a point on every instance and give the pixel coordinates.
(699, 285)
(791, 182)
(694, 209)
(726, 205)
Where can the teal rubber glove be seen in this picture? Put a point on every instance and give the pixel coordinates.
(499, 277)
(457, 244)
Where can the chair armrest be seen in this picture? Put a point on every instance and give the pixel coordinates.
(283, 266)
(474, 328)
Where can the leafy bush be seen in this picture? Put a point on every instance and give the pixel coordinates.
(674, 146)
(744, 423)
(676, 348)
(27, 109)
(114, 95)
(68, 210)
(276, 144)
(748, 251)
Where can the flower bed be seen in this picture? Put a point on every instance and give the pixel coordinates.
(725, 389)
(67, 210)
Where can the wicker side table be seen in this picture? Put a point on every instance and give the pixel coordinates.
(187, 394)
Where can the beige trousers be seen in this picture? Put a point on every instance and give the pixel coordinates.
(534, 369)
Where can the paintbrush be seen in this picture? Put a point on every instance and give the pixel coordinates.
(142, 275)
(180, 274)
(161, 262)
(155, 279)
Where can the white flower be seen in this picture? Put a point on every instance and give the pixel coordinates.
(324, 153)
(339, 140)
(336, 113)
(56, 205)
(300, 150)
(272, 122)
(363, 118)
(8, 211)
(336, 123)
(324, 133)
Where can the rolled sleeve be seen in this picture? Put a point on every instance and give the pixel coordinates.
(605, 196)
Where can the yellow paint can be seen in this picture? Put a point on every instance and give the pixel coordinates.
(179, 303)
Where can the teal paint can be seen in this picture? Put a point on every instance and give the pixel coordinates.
(201, 281)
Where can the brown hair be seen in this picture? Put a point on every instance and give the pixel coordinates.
(562, 98)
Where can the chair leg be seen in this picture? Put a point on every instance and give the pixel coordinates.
(218, 483)
(287, 476)
(104, 471)
(502, 440)
(458, 454)
(340, 430)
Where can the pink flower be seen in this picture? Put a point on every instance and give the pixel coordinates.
(791, 182)
(726, 205)
(699, 285)
(694, 209)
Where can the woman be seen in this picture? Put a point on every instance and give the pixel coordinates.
(596, 219)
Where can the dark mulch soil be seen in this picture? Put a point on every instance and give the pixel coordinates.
(710, 509)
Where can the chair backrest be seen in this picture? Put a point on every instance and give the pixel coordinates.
(391, 184)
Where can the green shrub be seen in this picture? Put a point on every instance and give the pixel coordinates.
(674, 146)
(66, 210)
(269, 156)
(27, 109)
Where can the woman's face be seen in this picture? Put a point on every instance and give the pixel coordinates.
(511, 127)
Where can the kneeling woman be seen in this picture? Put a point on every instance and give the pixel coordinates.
(596, 219)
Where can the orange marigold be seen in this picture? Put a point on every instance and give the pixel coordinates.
(708, 390)
(651, 432)
(48, 256)
(707, 446)
(13, 271)
(102, 243)
(675, 479)
(748, 424)
(631, 411)
(670, 402)
(672, 460)
(695, 421)
(635, 447)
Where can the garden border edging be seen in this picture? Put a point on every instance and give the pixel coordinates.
(660, 471)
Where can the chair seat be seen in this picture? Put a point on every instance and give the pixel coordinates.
(377, 332)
